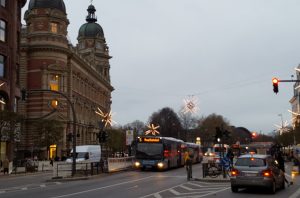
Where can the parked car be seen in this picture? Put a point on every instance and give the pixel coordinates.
(254, 170)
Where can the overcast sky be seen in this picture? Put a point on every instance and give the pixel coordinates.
(223, 52)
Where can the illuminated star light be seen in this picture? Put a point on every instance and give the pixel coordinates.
(190, 105)
(106, 118)
(282, 127)
(152, 129)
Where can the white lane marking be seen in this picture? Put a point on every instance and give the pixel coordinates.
(193, 184)
(161, 191)
(133, 187)
(43, 185)
(174, 192)
(95, 189)
(157, 195)
(25, 188)
(186, 188)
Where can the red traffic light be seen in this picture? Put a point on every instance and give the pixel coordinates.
(275, 82)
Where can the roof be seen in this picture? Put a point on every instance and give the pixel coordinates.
(55, 4)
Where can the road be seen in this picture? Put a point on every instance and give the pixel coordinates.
(142, 184)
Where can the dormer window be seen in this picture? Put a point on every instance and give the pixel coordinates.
(53, 27)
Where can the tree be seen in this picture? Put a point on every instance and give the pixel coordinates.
(48, 132)
(10, 123)
(137, 126)
(168, 122)
(207, 128)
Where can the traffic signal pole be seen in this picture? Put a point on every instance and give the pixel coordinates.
(276, 81)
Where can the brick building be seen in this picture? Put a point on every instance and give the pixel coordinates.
(10, 28)
(50, 62)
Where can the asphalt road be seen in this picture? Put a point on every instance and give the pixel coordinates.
(142, 184)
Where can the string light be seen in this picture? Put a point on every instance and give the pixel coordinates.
(106, 118)
(152, 129)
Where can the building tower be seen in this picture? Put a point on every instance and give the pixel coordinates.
(50, 62)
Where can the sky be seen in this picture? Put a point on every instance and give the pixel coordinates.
(224, 53)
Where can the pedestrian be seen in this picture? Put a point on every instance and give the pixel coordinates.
(280, 160)
(5, 165)
(188, 161)
(230, 156)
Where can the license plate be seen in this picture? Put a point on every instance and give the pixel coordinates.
(148, 162)
(250, 174)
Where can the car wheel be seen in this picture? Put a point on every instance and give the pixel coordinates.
(273, 188)
(234, 189)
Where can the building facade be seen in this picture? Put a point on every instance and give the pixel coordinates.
(295, 100)
(10, 28)
(50, 64)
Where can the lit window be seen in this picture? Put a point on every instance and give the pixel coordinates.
(54, 27)
(2, 30)
(54, 82)
(2, 66)
(3, 3)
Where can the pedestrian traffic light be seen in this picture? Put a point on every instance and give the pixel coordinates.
(275, 82)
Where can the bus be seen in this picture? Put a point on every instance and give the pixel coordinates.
(158, 152)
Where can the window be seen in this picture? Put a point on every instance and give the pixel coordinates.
(2, 30)
(2, 66)
(53, 27)
(54, 82)
(3, 2)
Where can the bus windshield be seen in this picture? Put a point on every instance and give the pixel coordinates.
(149, 151)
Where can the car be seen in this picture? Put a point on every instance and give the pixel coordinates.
(256, 170)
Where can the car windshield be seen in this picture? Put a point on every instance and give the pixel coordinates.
(251, 161)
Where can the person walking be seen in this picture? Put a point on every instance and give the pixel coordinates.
(280, 161)
(5, 165)
(188, 161)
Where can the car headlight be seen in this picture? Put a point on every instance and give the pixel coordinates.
(160, 165)
(137, 164)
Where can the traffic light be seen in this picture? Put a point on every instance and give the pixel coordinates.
(102, 136)
(275, 82)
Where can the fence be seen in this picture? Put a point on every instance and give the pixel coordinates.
(64, 169)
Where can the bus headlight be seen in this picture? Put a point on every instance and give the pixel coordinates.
(160, 165)
(137, 164)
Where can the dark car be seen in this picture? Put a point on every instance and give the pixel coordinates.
(257, 171)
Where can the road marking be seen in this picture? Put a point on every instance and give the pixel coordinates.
(157, 195)
(174, 192)
(43, 185)
(95, 189)
(186, 188)
(25, 188)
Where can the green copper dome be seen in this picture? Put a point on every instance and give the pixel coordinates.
(91, 29)
(58, 4)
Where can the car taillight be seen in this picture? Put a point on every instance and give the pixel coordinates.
(234, 172)
(267, 173)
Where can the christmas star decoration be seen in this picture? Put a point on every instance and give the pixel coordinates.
(106, 118)
(152, 129)
(190, 105)
(282, 128)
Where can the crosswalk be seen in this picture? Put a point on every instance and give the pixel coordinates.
(27, 187)
(192, 189)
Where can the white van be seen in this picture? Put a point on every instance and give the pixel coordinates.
(90, 153)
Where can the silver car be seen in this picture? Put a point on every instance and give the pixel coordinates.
(257, 171)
